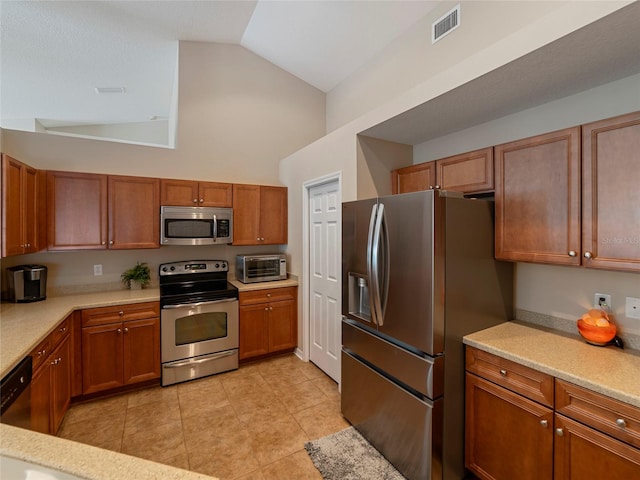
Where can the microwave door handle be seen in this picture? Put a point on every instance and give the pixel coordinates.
(215, 227)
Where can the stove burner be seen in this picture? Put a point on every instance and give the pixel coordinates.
(195, 281)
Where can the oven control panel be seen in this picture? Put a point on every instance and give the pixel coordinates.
(193, 266)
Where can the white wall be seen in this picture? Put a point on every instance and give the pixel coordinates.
(411, 60)
(238, 116)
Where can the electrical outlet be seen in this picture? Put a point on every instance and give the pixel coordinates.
(97, 270)
(632, 307)
(602, 300)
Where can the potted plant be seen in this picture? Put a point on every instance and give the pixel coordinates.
(137, 277)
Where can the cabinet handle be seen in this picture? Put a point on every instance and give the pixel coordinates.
(120, 313)
(110, 242)
(103, 243)
(544, 423)
(268, 295)
(587, 255)
(270, 308)
(437, 187)
(41, 352)
(621, 423)
(430, 187)
(126, 330)
(202, 200)
(266, 309)
(62, 330)
(559, 432)
(195, 200)
(503, 373)
(119, 331)
(572, 253)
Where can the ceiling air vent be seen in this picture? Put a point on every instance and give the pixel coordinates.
(445, 24)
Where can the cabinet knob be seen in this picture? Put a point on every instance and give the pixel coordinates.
(62, 330)
(621, 423)
(195, 200)
(544, 423)
(268, 295)
(119, 331)
(103, 243)
(202, 200)
(437, 187)
(41, 352)
(126, 330)
(120, 313)
(110, 242)
(503, 373)
(266, 309)
(572, 253)
(430, 187)
(270, 308)
(559, 432)
(587, 255)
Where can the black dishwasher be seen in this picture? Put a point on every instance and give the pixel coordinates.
(15, 392)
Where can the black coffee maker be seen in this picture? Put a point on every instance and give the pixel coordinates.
(27, 283)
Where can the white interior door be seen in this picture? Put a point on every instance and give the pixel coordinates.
(324, 278)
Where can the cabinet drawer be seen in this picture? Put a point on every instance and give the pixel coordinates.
(618, 419)
(119, 313)
(534, 385)
(40, 353)
(267, 295)
(61, 331)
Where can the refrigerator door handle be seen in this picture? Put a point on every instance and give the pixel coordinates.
(370, 261)
(375, 263)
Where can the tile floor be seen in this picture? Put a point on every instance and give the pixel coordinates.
(249, 424)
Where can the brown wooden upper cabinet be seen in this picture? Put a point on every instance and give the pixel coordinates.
(470, 172)
(22, 191)
(259, 215)
(539, 201)
(197, 194)
(91, 211)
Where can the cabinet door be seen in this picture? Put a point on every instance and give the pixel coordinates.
(507, 435)
(76, 211)
(582, 453)
(29, 211)
(102, 360)
(12, 234)
(273, 215)
(611, 193)
(538, 199)
(213, 194)
(283, 326)
(470, 172)
(60, 382)
(254, 331)
(178, 193)
(246, 214)
(141, 349)
(413, 178)
(134, 212)
(41, 399)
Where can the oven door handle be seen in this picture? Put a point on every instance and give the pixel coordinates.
(198, 304)
(200, 360)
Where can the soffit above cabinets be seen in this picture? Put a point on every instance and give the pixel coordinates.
(602, 52)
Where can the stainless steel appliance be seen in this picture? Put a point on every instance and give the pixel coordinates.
(15, 391)
(27, 283)
(418, 273)
(195, 225)
(261, 268)
(199, 327)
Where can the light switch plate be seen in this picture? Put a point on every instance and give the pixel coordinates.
(97, 270)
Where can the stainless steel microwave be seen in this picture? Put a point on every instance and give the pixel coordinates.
(196, 225)
(261, 268)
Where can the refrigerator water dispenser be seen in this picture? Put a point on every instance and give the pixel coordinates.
(359, 296)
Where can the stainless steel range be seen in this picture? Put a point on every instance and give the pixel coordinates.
(199, 320)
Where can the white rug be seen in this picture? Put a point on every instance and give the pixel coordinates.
(346, 455)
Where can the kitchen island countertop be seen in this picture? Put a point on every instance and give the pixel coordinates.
(607, 370)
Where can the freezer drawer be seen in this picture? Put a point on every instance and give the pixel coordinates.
(422, 374)
(405, 429)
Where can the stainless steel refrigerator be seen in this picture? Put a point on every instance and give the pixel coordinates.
(418, 273)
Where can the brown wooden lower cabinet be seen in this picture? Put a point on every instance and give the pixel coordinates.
(509, 435)
(118, 347)
(51, 381)
(268, 321)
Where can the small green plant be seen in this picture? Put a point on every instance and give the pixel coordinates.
(138, 274)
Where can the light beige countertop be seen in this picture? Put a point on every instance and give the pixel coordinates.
(248, 287)
(82, 460)
(607, 370)
(24, 325)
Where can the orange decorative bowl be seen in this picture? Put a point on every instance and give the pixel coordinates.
(596, 335)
